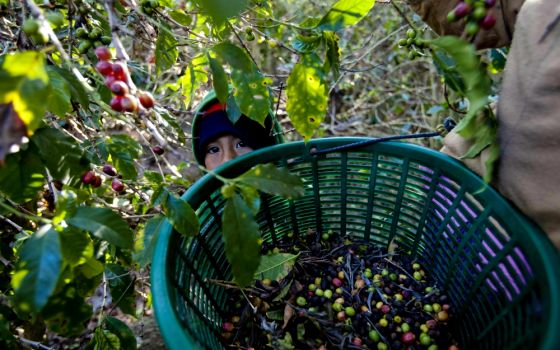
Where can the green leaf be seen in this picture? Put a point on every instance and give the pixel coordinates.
(446, 66)
(22, 175)
(67, 312)
(273, 180)
(166, 48)
(219, 80)
(143, 254)
(104, 224)
(66, 205)
(104, 340)
(59, 98)
(252, 94)
(77, 89)
(64, 158)
(122, 331)
(36, 278)
(307, 44)
(124, 150)
(122, 287)
(235, 56)
(232, 109)
(332, 61)
(76, 246)
(345, 13)
(251, 197)
(91, 268)
(275, 266)
(171, 120)
(221, 10)
(241, 240)
(30, 64)
(181, 17)
(307, 95)
(195, 76)
(181, 215)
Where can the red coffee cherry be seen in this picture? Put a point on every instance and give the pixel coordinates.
(104, 68)
(488, 21)
(146, 99)
(119, 88)
(88, 177)
(129, 103)
(97, 182)
(116, 103)
(462, 9)
(103, 53)
(117, 186)
(120, 71)
(109, 170)
(158, 150)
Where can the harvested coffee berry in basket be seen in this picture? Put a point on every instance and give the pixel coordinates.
(335, 293)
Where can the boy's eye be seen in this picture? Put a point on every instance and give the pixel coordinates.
(213, 149)
(241, 144)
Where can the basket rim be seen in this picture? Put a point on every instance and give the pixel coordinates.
(535, 242)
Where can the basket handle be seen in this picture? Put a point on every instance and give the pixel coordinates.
(448, 125)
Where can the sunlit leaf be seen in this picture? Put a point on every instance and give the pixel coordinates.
(36, 277)
(275, 266)
(345, 13)
(332, 61)
(181, 17)
(181, 215)
(76, 246)
(270, 179)
(13, 130)
(306, 44)
(307, 95)
(30, 64)
(104, 224)
(219, 80)
(195, 75)
(241, 240)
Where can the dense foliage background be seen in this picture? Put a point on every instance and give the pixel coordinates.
(75, 252)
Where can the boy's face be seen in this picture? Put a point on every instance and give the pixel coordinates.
(224, 148)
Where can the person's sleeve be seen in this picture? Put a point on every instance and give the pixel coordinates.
(434, 13)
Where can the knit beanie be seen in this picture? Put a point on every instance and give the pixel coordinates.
(214, 123)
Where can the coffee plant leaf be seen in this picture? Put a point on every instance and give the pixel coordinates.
(122, 331)
(147, 239)
(76, 246)
(166, 48)
(332, 61)
(241, 239)
(67, 312)
(121, 285)
(307, 95)
(234, 56)
(219, 80)
(90, 268)
(195, 76)
(77, 90)
(103, 223)
(446, 66)
(104, 340)
(251, 197)
(252, 94)
(124, 150)
(181, 215)
(221, 10)
(22, 175)
(65, 205)
(58, 101)
(270, 179)
(275, 266)
(232, 109)
(62, 155)
(40, 264)
(307, 43)
(181, 17)
(164, 117)
(345, 13)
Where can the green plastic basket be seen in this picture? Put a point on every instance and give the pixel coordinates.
(501, 273)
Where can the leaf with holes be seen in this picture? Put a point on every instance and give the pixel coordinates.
(241, 239)
(275, 266)
(307, 95)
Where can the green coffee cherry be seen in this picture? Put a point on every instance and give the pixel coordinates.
(41, 37)
(81, 33)
(106, 40)
(402, 42)
(411, 33)
(472, 28)
(84, 46)
(55, 18)
(301, 301)
(30, 26)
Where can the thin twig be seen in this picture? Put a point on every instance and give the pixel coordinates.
(16, 226)
(401, 13)
(32, 344)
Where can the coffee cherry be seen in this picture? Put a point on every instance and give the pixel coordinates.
(462, 9)
(129, 103)
(488, 21)
(95, 33)
(411, 33)
(146, 99)
(96, 182)
(116, 103)
(103, 53)
(88, 177)
(119, 88)
(120, 71)
(408, 338)
(227, 326)
(451, 16)
(489, 3)
(374, 335)
(357, 341)
(336, 282)
(106, 40)
(479, 13)
(109, 170)
(341, 316)
(84, 46)
(104, 68)
(301, 301)
(442, 316)
(117, 186)
(30, 26)
(158, 150)
(350, 311)
(81, 33)
(472, 28)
